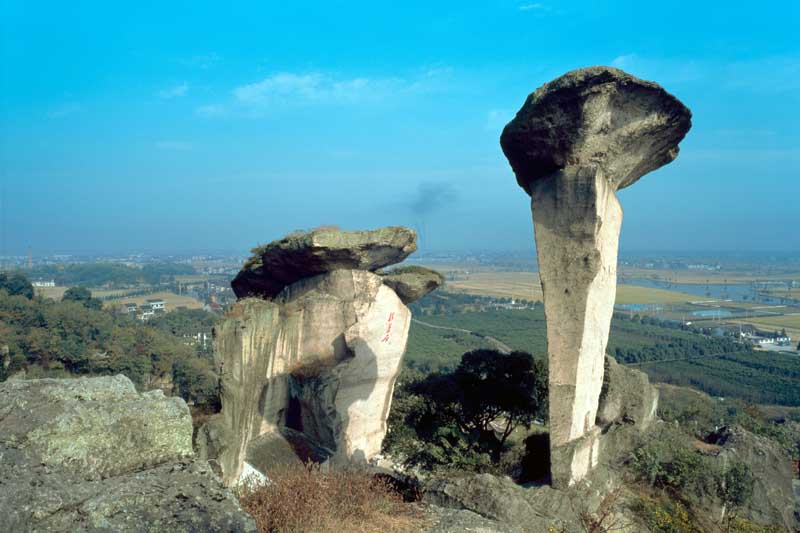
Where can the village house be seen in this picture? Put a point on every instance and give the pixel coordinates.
(157, 304)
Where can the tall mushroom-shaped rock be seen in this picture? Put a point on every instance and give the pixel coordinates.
(572, 145)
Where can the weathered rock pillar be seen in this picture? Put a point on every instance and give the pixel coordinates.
(311, 351)
(575, 141)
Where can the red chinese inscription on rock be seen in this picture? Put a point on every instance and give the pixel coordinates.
(389, 322)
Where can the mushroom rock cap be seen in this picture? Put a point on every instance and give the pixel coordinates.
(412, 282)
(597, 117)
(304, 254)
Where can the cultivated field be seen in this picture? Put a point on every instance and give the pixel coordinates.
(191, 278)
(633, 294)
(791, 323)
(785, 293)
(53, 293)
(525, 285)
(702, 277)
(172, 300)
(56, 293)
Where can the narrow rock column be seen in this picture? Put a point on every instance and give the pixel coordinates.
(572, 145)
(577, 219)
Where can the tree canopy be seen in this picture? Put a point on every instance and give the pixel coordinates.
(83, 296)
(464, 418)
(56, 339)
(16, 284)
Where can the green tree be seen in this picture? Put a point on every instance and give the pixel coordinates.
(501, 391)
(16, 284)
(736, 487)
(83, 296)
(463, 419)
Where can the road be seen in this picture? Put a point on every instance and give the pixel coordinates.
(498, 345)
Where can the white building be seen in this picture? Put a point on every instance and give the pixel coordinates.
(157, 305)
(146, 312)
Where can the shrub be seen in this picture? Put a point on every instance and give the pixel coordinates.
(665, 516)
(310, 498)
(736, 487)
(668, 461)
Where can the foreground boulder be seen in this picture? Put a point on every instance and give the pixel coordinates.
(627, 397)
(572, 145)
(304, 254)
(773, 500)
(309, 373)
(94, 454)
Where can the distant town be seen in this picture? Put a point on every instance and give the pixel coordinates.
(754, 299)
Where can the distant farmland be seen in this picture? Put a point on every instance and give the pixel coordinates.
(633, 294)
(172, 300)
(522, 285)
(791, 323)
(525, 285)
(56, 293)
(700, 277)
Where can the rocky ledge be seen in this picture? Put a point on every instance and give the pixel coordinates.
(93, 454)
(412, 282)
(305, 254)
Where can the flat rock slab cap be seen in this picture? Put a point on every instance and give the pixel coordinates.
(597, 117)
(412, 282)
(301, 255)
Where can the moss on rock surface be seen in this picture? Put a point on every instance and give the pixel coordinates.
(94, 454)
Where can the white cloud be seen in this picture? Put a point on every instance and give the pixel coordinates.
(174, 92)
(284, 90)
(289, 88)
(210, 110)
(64, 110)
(175, 146)
(531, 7)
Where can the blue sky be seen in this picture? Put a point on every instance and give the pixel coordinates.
(194, 126)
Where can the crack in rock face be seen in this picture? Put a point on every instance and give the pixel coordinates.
(572, 145)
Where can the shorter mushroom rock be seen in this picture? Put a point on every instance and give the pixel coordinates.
(280, 263)
(412, 282)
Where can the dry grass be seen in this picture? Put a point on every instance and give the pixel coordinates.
(633, 294)
(307, 498)
(171, 300)
(52, 293)
(56, 293)
(526, 285)
(703, 277)
(523, 285)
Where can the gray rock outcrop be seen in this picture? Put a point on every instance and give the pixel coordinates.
(309, 373)
(412, 282)
(627, 397)
(773, 500)
(93, 454)
(305, 254)
(572, 145)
